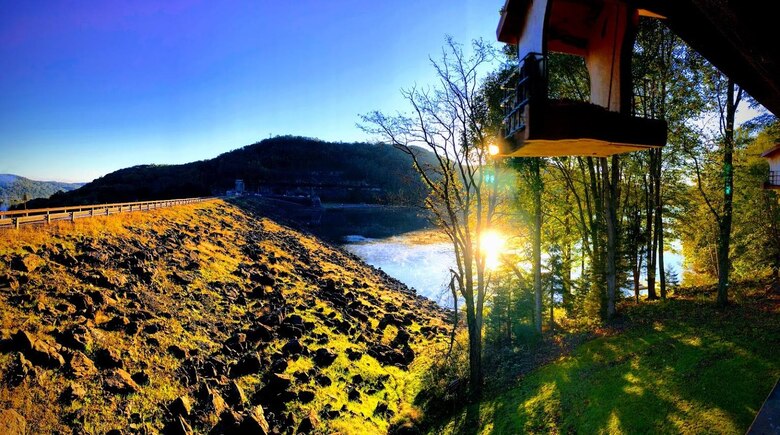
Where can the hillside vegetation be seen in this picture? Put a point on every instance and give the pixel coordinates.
(204, 318)
(335, 171)
(13, 189)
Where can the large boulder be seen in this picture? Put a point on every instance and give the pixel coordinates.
(254, 422)
(109, 358)
(78, 337)
(178, 426)
(235, 394)
(80, 366)
(247, 365)
(120, 382)
(38, 351)
(27, 263)
(324, 357)
(181, 406)
(73, 392)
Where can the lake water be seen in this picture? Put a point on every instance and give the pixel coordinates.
(420, 259)
(401, 242)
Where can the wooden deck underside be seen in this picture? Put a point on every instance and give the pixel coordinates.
(574, 147)
(571, 128)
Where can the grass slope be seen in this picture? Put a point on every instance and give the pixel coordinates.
(681, 366)
(200, 299)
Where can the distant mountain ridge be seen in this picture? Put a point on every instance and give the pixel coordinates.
(13, 188)
(334, 171)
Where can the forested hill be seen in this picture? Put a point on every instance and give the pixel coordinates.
(14, 188)
(336, 171)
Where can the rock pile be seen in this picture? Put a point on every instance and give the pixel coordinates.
(252, 325)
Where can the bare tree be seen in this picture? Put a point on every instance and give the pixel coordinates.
(451, 120)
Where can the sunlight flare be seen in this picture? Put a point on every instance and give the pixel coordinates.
(492, 245)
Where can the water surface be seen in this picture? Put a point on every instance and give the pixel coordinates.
(420, 259)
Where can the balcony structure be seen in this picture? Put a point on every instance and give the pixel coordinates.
(739, 38)
(773, 158)
(603, 34)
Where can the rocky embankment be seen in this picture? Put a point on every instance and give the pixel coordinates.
(202, 319)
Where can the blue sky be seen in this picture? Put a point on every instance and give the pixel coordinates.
(90, 87)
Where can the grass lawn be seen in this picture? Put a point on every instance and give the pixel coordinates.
(680, 366)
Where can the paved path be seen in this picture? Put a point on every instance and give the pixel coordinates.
(768, 419)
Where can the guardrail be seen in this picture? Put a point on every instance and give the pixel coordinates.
(17, 218)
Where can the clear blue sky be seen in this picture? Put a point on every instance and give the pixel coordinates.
(90, 87)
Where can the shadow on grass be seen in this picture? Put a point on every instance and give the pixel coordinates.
(683, 367)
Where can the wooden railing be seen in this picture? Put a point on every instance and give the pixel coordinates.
(528, 82)
(17, 218)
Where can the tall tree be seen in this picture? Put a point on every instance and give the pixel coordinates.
(728, 114)
(667, 87)
(610, 183)
(453, 121)
(725, 96)
(531, 170)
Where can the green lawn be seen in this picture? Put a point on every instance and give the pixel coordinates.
(680, 367)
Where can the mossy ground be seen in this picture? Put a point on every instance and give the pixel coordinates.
(678, 366)
(209, 245)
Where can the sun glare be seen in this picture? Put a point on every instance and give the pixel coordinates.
(492, 244)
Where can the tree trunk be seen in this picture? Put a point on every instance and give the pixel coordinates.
(610, 178)
(537, 244)
(566, 257)
(636, 283)
(637, 255)
(724, 226)
(659, 223)
(597, 292)
(509, 316)
(566, 290)
(650, 208)
(552, 307)
(475, 352)
(661, 271)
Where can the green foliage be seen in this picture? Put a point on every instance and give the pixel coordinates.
(755, 241)
(672, 278)
(337, 171)
(509, 320)
(684, 367)
(593, 305)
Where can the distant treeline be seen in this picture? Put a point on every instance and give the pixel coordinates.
(335, 171)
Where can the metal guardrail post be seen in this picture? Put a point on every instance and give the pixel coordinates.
(37, 216)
